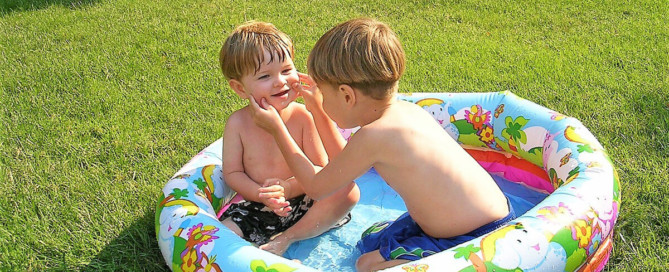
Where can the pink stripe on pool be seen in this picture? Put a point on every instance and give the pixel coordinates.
(519, 176)
(235, 199)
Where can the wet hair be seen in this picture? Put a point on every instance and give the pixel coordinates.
(244, 49)
(363, 53)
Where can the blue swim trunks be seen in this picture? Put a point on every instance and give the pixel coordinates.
(404, 239)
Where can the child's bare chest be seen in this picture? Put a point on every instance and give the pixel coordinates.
(262, 158)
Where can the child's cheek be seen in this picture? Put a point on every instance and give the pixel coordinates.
(294, 78)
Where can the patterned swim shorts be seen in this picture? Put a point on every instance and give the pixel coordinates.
(259, 223)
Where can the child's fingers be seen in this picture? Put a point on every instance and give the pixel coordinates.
(262, 106)
(276, 202)
(306, 79)
(301, 91)
(253, 103)
(298, 87)
(283, 212)
(279, 201)
(275, 205)
(271, 188)
(280, 205)
(265, 105)
(273, 194)
(280, 212)
(265, 115)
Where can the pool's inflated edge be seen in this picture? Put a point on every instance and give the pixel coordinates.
(569, 230)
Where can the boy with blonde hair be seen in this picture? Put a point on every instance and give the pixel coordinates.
(256, 59)
(450, 198)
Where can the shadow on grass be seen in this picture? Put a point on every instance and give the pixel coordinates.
(135, 249)
(9, 6)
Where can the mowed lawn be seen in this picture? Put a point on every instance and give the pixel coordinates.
(102, 101)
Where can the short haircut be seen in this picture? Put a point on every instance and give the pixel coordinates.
(363, 53)
(243, 50)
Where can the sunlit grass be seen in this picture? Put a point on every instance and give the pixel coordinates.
(102, 101)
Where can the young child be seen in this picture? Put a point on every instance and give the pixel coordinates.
(450, 198)
(256, 59)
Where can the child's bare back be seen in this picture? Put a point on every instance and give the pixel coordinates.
(446, 192)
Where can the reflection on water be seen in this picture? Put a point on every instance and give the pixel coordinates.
(335, 250)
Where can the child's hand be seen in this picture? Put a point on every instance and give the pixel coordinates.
(265, 115)
(273, 195)
(313, 98)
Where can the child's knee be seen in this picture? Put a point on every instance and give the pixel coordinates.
(349, 194)
(345, 197)
(368, 261)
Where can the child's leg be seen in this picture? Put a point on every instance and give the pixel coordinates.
(373, 261)
(232, 226)
(319, 218)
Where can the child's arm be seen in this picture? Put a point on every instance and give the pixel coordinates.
(352, 162)
(233, 168)
(312, 144)
(327, 130)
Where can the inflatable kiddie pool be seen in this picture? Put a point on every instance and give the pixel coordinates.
(538, 156)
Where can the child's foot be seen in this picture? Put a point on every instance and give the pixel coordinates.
(278, 245)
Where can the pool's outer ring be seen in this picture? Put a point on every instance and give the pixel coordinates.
(190, 236)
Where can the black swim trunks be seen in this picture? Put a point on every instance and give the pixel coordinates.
(259, 223)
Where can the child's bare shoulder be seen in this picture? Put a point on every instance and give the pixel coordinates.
(370, 136)
(299, 110)
(238, 119)
(300, 114)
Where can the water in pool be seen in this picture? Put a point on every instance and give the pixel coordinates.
(335, 250)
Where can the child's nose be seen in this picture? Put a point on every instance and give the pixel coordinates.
(281, 81)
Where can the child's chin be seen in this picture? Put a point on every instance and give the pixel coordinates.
(282, 102)
(280, 105)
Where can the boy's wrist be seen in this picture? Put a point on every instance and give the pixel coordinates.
(314, 108)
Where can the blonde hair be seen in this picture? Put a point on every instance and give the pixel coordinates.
(243, 50)
(363, 53)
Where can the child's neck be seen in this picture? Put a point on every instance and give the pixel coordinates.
(285, 112)
(373, 109)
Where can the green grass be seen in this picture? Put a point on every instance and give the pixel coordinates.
(102, 101)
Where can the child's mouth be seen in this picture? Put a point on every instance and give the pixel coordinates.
(281, 93)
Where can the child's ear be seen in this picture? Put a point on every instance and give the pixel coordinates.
(238, 88)
(348, 94)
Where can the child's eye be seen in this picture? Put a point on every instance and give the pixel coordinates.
(263, 77)
(287, 71)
